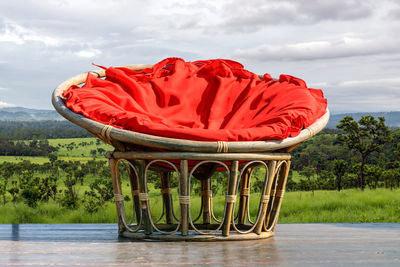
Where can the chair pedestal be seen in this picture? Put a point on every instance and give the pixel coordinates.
(178, 221)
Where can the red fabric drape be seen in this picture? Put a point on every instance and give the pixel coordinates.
(210, 100)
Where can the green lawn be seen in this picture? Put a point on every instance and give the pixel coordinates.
(78, 147)
(16, 159)
(41, 160)
(347, 206)
(68, 149)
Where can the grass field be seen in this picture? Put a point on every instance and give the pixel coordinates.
(68, 149)
(85, 145)
(351, 206)
(347, 206)
(41, 160)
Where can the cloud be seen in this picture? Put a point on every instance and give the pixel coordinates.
(5, 105)
(394, 11)
(393, 83)
(357, 95)
(336, 44)
(19, 35)
(88, 53)
(342, 47)
(258, 14)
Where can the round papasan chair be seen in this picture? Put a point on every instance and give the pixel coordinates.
(195, 119)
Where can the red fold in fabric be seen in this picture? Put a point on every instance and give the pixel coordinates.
(208, 100)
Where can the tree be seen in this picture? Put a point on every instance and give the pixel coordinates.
(3, 188)
(79, 175)
(309, 172)
(52, 158)
(93, 152)
(326, 180)
(48, 188)
(101, 150)
(6, 171)
(372, 175)
(339, 169)
(389, 178)
(350, 180)
(101, 190)
(397, 176)
(397, 153)
(31, 195)
(14, 190)
(365, 137)
(70, 195)
(31, 188)
(290, 184)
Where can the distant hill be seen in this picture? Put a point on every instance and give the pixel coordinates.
(392, 118)
(27, 114)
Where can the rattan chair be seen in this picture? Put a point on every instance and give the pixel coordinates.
(189, 159)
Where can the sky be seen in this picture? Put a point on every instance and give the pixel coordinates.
(348, 48)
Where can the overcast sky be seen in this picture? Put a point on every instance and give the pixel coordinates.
(349, 49)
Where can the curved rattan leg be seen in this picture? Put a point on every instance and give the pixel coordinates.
(269, 217)
(134, 183)
(230, 197)
(265, 196)
(144, 197)
(184, 198)
(206, 195)
(167, 196)
(248, 228)
(117, 192)
(215, 219)
(277, 192)
(244, 195)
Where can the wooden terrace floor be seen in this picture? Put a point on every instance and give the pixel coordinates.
(293, 245)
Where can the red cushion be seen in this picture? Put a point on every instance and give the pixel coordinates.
(210, 100)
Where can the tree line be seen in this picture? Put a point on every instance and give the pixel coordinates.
(363, 154)
(26, 148)
(57, 180)
(28, 130)
(356, 155)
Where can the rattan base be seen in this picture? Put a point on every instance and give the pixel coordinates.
(194, 237)
(233, 224)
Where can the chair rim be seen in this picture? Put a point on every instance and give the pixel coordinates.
(115, 135)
